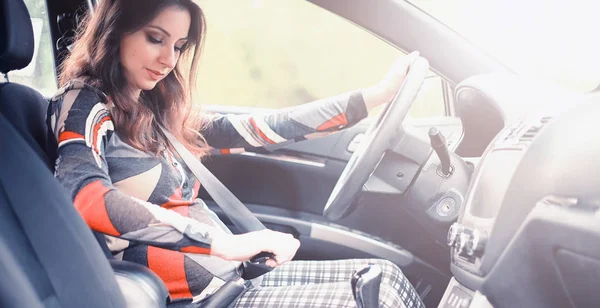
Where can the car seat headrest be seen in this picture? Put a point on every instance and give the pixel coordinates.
(16, 36)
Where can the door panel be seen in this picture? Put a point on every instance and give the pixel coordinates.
(287, 186)
(300, 176)
(267, 181)
(296, 180)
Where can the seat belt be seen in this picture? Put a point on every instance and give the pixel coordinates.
(235, 210)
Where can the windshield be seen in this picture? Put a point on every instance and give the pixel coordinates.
(553, 40)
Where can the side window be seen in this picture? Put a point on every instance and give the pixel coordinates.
(434, 99)
(281, 53)
(39, 74)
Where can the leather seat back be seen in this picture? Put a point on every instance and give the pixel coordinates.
(50, 251)
(54, 249)
(24, 107)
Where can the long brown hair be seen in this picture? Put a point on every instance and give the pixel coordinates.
(95, 59)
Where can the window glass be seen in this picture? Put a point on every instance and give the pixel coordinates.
(549, 40)
(281, 53)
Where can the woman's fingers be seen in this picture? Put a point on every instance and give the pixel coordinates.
(244, 246)
(272, 263)
(283, 246)
(395, 76)
(385, 90)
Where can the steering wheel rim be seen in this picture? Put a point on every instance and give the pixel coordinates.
(379, 138)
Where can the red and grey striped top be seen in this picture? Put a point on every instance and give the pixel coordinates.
(144, 203)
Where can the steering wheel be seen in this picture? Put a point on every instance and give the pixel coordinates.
(379, 137)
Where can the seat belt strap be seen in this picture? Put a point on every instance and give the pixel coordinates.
(235, 210)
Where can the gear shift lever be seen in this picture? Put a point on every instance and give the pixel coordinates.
(365, 284)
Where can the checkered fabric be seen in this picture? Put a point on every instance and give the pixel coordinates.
(327, 284)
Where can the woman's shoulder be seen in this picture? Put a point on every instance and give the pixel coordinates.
(79, 89)
(78, 107)
(79, 97)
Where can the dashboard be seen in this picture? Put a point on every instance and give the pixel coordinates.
(527, 232)
(488, 188)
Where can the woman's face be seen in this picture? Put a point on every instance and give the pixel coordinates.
(150, 54)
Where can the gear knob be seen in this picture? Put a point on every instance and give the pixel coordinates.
(365, 284)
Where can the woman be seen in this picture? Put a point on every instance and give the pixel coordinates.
(122, 79)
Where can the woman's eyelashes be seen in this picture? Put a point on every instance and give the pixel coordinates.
(182, 45)
(153, 39)
(157, 41)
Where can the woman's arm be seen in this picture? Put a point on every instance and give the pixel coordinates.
(295, 123)
(83, 126)
(227, 133)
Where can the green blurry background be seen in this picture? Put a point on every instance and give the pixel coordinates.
(268, 54)
(279, 53)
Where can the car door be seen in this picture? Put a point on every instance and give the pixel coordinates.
(262, 56)
(265, 55)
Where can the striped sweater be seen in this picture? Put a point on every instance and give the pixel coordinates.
(146, 204)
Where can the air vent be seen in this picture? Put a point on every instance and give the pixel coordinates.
(522, 133)
(533, 130)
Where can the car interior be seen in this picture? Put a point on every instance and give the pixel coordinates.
(495, 207)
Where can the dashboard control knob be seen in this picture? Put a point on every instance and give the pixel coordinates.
(461, 242)
(476, 242)
(453, 234)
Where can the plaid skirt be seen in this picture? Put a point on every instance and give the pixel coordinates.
(327, 284)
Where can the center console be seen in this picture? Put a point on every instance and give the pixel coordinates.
(469, 235)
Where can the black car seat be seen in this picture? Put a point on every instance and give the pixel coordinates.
(48, 255)
(52, 246)
(25, 107)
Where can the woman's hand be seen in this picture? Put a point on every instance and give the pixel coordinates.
(384, 91)
(242, 247)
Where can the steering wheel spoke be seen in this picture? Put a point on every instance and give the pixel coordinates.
(378, 139)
